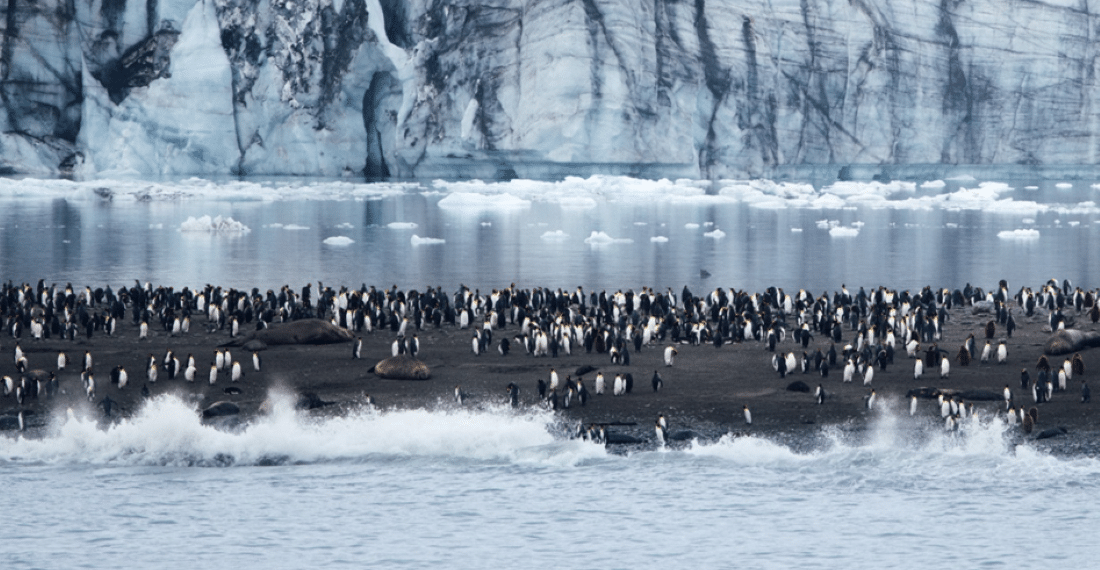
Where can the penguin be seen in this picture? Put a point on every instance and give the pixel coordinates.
(397, 347)
(256, 361)
(19, 395)
(849, 371)
(145, 391)
(747, 414)
(945, 408)
(152, 372)
(670, 354)
(662, 435)
(871, 400)
(1025, 379)
(189, 372)
(819, 394)
(912, 405)
(235, 374)
(1078, 364)
(356, 350)
(143, 331)
(1008, 397)
(62, 361)
(553, 379)
(987, 352)
(504, 347)
(619, 386)
(945, 367)
(963, 356)
(475, 345)
(542, 389)
(89, 386)
(9, 385)
(213, 373)
(219, 360)
(1086, 394)
(413, 346)
(599, 384)
(657, 381)
(868, 375)
(123, 378)
(513, 394)
(1062, 380)
(1011, 416)
(582, 392)
(458, 395)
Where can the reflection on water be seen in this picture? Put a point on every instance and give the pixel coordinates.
(653, 242)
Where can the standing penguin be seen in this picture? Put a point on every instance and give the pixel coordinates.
(356, 349)
(748, 414)
(670, 355)
(235, 374)
(213, 373)
(256, 361)
(912, 405)
(871, 400)
(657, 381)
(945, 367)
(599, 384)
(513, 394)
(819, 394)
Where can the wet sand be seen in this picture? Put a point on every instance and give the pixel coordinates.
(703, 392)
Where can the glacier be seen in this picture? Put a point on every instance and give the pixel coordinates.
(500, 89)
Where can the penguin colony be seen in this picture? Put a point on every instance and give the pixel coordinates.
(861, 333)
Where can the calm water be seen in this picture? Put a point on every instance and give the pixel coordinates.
(532, 233)
(419, 489)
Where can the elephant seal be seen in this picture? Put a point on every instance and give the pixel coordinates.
(402, 367)
(305, 331)
(1070, 340)
(1052, 432)
(798, 386)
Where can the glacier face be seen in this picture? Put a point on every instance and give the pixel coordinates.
(420, 88)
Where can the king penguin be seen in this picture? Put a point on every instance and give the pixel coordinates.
(657, 381)
(748, 414)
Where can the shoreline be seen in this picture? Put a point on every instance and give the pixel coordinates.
(703, 392)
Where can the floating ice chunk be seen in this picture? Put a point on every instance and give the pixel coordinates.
(295, 227)
(843, 232)
(216, 224)
(338, 240)
(1063, 185)
(466, 201)
(796, 230)
(933, 184)
(640, 223)
(716, 234)
(556, 235)
(417, 240)
(1032, 188)
(601, 238)
(658, 239)
(708, 224)
(276, 225)
(1074, 223)
(1022, 234)
(858, 224)
(344, 226)
(691, 226)
(827, 224)
(1028, 221)
(486, 224)
(951, 225)
(402, 225)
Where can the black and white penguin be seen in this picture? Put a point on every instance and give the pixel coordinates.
(871, 400)
(256, 361)
(459, 396)
(1025, 379)
(600, 384)
(513, 394)
(62, 361)
(504, 346)
(213, 373)
(748, 414)
(662, 438)
(670, 355)
(657, 381)
(356, 350)
(1002, 353)
(235, 373)
(912, 405)
(413, 346)
(1086, 394)
(819, 394)
(1008, 397)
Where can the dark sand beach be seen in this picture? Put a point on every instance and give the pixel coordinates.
(703, 392)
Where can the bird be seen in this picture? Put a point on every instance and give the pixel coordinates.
(871, 400)
(657, 381)
(1002, 353)
(912, 405)
(748, 414)
(819, 394)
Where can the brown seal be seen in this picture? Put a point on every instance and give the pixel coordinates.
(402, 367)
(305, 331)
(1070, 340)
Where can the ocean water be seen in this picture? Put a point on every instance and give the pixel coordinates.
(600, 233)
(471, 489)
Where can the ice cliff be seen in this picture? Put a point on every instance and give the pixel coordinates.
(421, 88)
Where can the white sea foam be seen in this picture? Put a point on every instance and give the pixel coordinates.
(417, 240)
(402, 225)
(167, 431)
(338, 241)
(1021, 234)
(217, 224)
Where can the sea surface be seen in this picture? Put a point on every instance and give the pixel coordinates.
(489, 487)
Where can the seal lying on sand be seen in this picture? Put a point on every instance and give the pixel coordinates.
(1070, 340)
(402, 367)
(305, 331)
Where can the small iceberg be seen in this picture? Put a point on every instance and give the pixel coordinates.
(659, 239)
(417, 240)
(556, 235)
(216, 224)
(716, 234)
(402, 225)
(601, 238)
(843, 232)
(338, 240)
(1022, 234)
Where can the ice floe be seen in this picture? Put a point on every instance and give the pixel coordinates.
(338, 240)
(217, 224)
